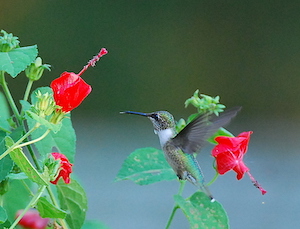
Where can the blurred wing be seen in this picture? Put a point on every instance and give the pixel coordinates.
(193, 137)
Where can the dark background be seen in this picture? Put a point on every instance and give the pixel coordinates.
(160, 52)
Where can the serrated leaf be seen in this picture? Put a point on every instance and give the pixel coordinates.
(4, 113)
(22, 161)
(146, 166)
(202, 213)
(3, 215)
(16, 60)
(64, 140)
(221, 132)
(48, 210)
(73, 200)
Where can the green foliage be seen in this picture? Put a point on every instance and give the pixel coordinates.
(17, 197)
(16, 60)
(48, 210)
(64, 140)
(73, 200)
(3, 215)
(201, 212)
(22, 161)
(4, 114)
(146, 166)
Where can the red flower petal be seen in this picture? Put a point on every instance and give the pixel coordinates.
(32, 220)
(65, 168)
(69, 90)
(229, 153)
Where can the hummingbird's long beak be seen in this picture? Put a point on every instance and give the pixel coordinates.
(134, 112)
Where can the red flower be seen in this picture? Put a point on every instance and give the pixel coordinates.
(32, 220)
(65, 168)
(229, 155)
(69, 90)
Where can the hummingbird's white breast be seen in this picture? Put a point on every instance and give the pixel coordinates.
(165, 135)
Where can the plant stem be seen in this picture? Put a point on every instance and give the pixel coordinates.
(171, 217)
(181, 187)
(53, 199)
(27, 91)
(214, 179)
(33, 141)
(9, 97)
(18, 142)
(30, 205)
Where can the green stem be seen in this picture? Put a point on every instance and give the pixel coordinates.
(9, 97)
(30, 205)
(171, 217)
(54, 201)
(33, 141)
(181, 187)
(14, 146)
(27, 91)
(214, 179)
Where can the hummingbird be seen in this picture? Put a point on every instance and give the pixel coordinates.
(180, 148)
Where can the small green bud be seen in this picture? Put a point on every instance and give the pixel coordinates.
(8, 42)
(35, 70)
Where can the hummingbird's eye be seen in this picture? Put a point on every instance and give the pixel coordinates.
(155, 116)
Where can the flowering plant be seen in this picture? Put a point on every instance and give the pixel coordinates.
(148, 165)
(29, 170)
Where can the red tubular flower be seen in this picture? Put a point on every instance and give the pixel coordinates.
(69, 90)
(65, 168)
(229, 155)
(32, 220)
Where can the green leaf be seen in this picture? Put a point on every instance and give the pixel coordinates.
(6, 165)
(93, 224)
(16, 60)
(64, 140)
(201, 212)
(221, 132)
(48, 210)
(146, 166)
(4, 114)
(17, 197)
(24, 164)
(73, 200)
(3, 215)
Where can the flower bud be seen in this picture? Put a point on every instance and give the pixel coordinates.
(8, 42)
(35, 70)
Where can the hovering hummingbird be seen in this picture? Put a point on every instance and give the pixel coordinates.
(179, 148)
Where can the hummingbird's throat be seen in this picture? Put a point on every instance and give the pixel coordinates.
(165, 135)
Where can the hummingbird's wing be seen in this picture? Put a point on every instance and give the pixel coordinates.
(193, 137)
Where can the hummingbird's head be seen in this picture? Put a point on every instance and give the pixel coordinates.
(161, 120)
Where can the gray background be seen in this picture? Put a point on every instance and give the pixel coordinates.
(160, 52)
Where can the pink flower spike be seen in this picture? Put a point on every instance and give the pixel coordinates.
(256, 184)
(93, 61)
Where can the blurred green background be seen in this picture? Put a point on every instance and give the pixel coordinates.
(160, 52)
